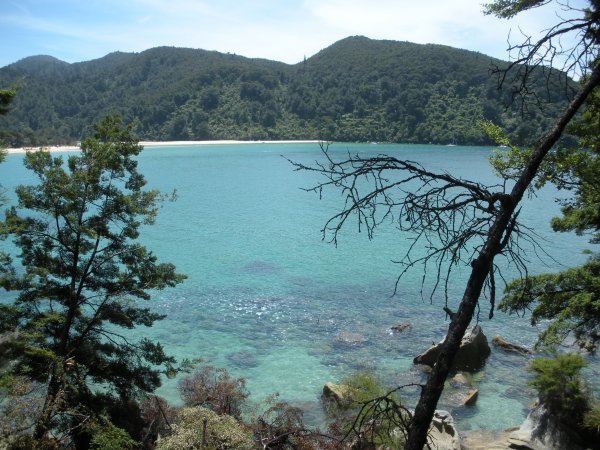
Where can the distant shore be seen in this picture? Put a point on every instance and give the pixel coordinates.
(70, 148)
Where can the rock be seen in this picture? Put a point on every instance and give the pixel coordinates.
(509, 347)
(542, 431)
(349, 338)
(461, 379)
(443, 435)
(401, 327)
(243, 360)
(472, 395)
(335, 393)
(485, 439)
(473, 351)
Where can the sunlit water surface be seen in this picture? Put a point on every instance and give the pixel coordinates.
(267, 298)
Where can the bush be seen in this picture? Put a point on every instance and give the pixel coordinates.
(560, 386)
(215, 389)
(281, 427)
(370, 414)
(110, 437)
(223, 432)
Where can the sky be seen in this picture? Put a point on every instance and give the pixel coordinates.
(281, 30)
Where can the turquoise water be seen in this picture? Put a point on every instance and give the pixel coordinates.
(266, 297)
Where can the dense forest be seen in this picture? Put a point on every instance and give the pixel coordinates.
(358, 89)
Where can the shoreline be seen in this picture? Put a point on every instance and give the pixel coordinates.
(70, 148)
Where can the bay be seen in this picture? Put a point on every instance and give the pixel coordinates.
(267, 298)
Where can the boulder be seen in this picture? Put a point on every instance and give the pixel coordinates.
(509, 347)
(473, 352)
(335, 393)
(443, 435)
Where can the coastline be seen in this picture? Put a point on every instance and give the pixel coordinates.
(70, 148)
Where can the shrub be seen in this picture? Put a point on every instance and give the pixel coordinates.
(222, 432)
(370, 414)
(214, 388)
(281, 427)
(110, 437)
(560, 386)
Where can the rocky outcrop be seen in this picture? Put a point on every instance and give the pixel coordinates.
(473, 352)
(542, 431)
(509, 347)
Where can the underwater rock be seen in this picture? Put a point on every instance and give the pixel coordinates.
(346, 337)
(461, 379)
(401, 327)
(473, 352)
(509, 347)
(243, 360)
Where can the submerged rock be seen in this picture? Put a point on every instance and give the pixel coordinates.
(243, 360)
(348, 338)
(461, 379)
(401, 327)
(473, 352)
(509, 347)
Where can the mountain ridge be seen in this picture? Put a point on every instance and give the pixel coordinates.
(357, 89)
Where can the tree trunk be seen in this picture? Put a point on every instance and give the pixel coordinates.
(497, 235)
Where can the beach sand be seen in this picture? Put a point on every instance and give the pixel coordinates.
(70, 148)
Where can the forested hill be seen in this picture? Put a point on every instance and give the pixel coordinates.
(358, 89)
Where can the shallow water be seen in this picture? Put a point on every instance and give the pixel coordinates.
(267, 298)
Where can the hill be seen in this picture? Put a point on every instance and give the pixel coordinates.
(357, 89)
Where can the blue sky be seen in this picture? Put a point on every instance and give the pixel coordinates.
(282, 30)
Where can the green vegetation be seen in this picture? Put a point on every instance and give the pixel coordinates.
(223, 432)
(82, 278)
(559, 385)
(561, 389)
(369, 413)
(569, 299)
(355, 90)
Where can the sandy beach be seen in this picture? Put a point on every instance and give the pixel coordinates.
(70, 148)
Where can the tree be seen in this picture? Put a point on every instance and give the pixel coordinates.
(82, 281)
(6, 97)
(569, 299)
(461, 222)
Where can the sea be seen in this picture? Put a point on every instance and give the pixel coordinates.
(270, 298)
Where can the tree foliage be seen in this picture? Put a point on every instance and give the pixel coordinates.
(569, 299)
(81, 280)
(559, 385)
